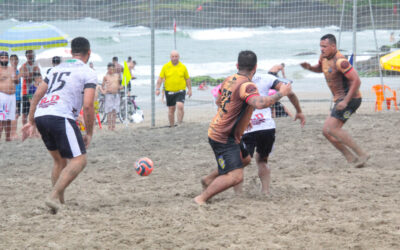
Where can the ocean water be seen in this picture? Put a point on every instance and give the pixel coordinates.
(212, 51)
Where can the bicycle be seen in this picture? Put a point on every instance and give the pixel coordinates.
(132, 108)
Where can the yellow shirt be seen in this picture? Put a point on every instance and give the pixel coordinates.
(175, 76)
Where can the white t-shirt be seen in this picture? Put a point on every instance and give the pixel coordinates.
(66, 83)
(261, 119)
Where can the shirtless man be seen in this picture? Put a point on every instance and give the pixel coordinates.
(28, 71)
(110, 88)
(14, 124)
(343, 81)
(8, 80)
(276, 68)
(119, 69)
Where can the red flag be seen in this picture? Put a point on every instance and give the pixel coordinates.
(199, 8)
(395, 9)
(174, 25)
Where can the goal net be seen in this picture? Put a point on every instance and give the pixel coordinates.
(209, 34)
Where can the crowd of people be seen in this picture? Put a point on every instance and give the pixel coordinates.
(19, 84)
(243, 126)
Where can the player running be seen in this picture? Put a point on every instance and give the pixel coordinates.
(55, 107)
(344, 83)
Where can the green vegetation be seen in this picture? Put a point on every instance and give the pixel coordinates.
(197, 80)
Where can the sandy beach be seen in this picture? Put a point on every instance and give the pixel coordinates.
(317, 200)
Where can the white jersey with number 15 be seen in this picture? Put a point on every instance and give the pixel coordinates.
(65, 85)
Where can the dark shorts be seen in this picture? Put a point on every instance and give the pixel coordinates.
(263, 140)
(26, 105)
(62, 134)
(174, 97)
(345, 114)
(273, 73)
(18, 107)
(227, 156)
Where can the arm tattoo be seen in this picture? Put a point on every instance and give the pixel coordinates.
(277, 96)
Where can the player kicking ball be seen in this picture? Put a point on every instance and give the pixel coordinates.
(54, 109)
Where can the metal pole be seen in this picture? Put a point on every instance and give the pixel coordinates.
(174, 34)
(341, 23)
(377, 49)
(354, 33)
(152, 85)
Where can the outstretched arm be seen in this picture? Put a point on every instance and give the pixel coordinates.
(316, 68)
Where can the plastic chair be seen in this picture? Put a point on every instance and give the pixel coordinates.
(380, 97)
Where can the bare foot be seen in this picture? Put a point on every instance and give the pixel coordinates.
(53, 204)
(199, 201)
(265, 192)
(361, 161)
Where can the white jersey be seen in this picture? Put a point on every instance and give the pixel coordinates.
(66, 83)
(261, 119)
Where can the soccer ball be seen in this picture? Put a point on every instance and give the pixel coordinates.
(144, 166)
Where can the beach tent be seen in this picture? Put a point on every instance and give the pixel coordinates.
(391, 61)
(32, 36)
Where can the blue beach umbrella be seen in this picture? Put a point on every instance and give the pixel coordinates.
(31, 36)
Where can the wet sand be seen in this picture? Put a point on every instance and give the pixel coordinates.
(317, 200)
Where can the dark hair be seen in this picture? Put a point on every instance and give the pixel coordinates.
(56, 60)
(283, 64)
(129, 58)
(134, 62)
(110, 65)
(29, 52)
(14, 55)
(247, 60)
(80, 45)
(4, 53)
(115, 59)
(331, 38)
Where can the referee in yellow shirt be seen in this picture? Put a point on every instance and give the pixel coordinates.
(176, 78)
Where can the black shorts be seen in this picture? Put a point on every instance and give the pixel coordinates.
(62, 134)
(345, 114)
(263, 140)
(26, 105)
(18, 107)
(227, 156)
(174, 97)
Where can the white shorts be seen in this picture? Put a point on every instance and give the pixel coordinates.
(7, 107)
(112, 102)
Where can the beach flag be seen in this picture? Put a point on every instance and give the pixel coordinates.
(174, 25)
(200, 8)
(126, 76)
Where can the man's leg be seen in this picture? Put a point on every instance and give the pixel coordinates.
(67, 175)
(14, 125)
(238, 188)
(1, 128)
(59, 164)
(109, 121)
(181, 112)
(171, 115)
(341, 139)
(7, 129)
(264, 172)
(221, 183)
(114, 119)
